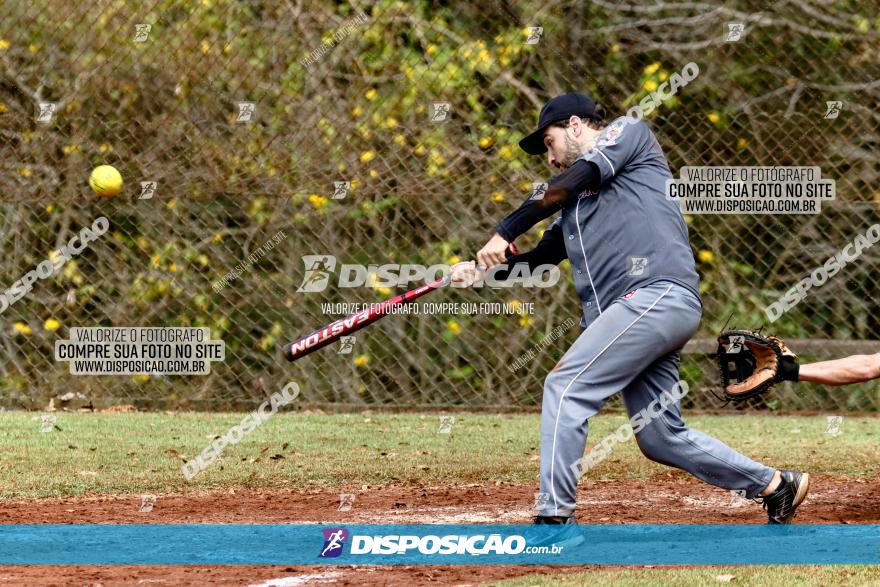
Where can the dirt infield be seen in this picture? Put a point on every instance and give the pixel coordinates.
(668, 498)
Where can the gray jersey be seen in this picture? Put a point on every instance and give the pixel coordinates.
(627, 234)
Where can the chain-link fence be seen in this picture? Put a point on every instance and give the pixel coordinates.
(386, 133)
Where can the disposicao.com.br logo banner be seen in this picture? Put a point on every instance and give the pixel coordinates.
(472, 543)
(432, 544)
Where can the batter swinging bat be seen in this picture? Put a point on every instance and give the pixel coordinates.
(354, 322)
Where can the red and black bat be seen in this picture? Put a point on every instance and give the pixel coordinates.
(354, 322)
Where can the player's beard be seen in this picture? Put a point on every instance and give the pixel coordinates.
(571, 153)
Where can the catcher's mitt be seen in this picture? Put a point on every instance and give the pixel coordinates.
(751, 363)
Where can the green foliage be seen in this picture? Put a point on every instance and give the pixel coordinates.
(421, 191)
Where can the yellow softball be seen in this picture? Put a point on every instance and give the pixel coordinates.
(105, 180)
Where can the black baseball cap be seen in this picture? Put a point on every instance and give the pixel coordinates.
(557, 109)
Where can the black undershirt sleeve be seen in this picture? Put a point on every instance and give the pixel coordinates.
(550, 250)
(562, 190)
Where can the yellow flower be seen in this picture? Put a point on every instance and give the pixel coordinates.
(453, 260)
(652, 68)
(742, 144)
(367, 156)
(454, 327)
(105, 148)
(51, 325)
(497, 197)
(50, 208)
(706, 256)
(361, 360)
(399, 139)
(420, 149)
(431, 49)
(374, 283)
(172, 267)
(317, 201)
(370, 95)
(486, 142)
(4, 44)
(664, 75)
(21, 328)
(357, 111)
(217, 238)
(68, 149)
(437, 158)
(525, 322)
(713, 117)
(25, 171)
(33, 48)
(506, 152)
(140, 378)
(206, 46)
(155, 261)
(3, 107)
(373, 173)
(172, 204)
(390, 122)
(650, 85)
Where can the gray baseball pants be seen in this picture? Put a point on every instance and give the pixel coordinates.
(632, 348)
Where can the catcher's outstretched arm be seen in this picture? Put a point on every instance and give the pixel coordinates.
(852, 369)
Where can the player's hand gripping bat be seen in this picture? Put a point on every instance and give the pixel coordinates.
(354, 322)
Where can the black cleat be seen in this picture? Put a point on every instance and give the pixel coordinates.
(782, 503)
